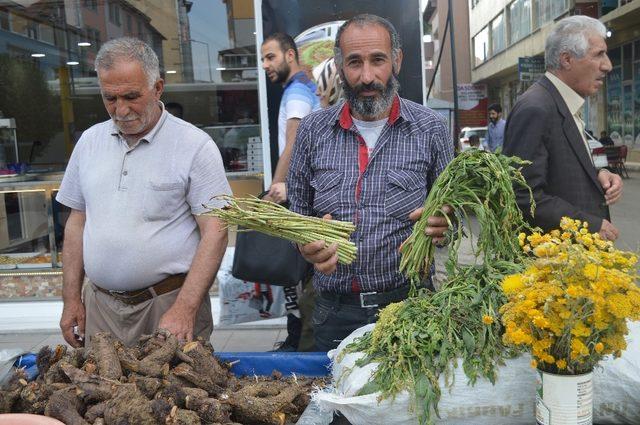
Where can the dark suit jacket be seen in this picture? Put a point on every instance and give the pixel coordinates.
(562, 177)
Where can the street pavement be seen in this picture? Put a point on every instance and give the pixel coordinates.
(625, 214)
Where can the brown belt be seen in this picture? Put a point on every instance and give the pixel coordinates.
(169, 284)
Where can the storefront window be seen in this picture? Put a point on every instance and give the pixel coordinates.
(50, 94)
(519, 20)
(497, 35)
(481, 46)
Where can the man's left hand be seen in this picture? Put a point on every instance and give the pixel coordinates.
(437, 225)
(612, 185)
(179, 321)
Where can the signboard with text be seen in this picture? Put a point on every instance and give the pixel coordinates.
(530, 68)
(472, 104)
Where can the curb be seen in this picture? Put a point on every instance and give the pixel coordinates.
(632, 166)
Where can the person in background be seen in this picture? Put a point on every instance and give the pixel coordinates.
(328, 81)
(495, 130)
(279, 56)
(136, 186)
(474, 142)
(605, 139)
(546, 128)
(280, 61)
(330, 92)
(354, 161)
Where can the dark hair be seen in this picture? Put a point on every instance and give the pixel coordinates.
(495, 107)
(174, 108)
(368, 19)
(285, 41)
(474, 140)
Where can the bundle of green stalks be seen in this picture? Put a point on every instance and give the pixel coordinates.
(273, 219)
(479, 183)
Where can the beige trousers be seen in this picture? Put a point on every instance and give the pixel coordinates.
(105, 313)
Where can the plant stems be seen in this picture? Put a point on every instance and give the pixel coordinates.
(273, 219)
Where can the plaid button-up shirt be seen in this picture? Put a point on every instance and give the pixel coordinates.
(332, 173)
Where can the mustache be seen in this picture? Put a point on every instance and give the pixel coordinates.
(125, 119)
(372, 86)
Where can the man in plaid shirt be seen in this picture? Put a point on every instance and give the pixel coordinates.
(370, 160)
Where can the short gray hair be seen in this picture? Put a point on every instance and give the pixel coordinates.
(571, 35)
(129, 49)
(367, 19)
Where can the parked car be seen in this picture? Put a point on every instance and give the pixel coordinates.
(467, 132)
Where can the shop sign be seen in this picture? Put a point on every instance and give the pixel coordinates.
(530, 68)
(472, 105)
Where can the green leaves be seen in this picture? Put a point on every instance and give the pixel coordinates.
(370, 387)
(469, 342)
(478, 183)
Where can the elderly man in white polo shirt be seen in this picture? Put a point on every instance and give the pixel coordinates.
(136, 185)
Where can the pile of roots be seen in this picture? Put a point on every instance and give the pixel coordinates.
(159, 381)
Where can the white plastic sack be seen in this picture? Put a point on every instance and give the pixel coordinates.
(510, 402)
(242, 301)
(7, 358)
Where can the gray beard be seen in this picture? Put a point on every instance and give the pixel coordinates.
(371, 106)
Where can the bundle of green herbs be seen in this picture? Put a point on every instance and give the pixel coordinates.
(479, 183)
(424, 337)
(273, 219)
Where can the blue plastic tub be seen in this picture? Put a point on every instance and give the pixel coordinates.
(262, 364)
(244, 363)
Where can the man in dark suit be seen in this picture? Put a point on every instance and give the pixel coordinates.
(546, 127)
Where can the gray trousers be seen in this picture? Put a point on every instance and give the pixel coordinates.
(105, 313)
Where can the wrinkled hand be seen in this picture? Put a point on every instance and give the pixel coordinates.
(278, 193)
(73, 314)
(179, 321)
(612, 185)
(608, 231)
(437, 225)
(324, 258)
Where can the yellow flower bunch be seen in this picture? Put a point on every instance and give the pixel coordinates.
(570, 305)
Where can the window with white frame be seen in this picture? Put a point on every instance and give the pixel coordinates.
(481, 46)
(498, 39)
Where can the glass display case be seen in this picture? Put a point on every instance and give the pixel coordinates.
(30, 230)
(239, 145)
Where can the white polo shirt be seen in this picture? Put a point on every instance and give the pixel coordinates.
(140, 201)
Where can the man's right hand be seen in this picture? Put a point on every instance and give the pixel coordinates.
(73, 314)
(324, 258)
(608, 231)
(278, 193)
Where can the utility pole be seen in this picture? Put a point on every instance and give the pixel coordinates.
(452, 32)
